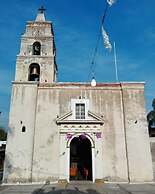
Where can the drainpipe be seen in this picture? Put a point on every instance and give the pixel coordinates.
(33, 140)
(124, 123)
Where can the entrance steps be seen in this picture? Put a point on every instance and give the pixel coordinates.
(83, 182)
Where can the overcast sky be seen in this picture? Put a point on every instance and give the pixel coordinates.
(130, 23)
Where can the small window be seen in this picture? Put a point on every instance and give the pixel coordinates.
(36, 48)
(80, 111)
(23, 129)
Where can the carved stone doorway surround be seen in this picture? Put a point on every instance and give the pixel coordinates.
(69, 129)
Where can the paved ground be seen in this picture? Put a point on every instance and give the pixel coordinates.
(80, 188)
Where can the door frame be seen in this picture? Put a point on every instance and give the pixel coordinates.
(92, 154)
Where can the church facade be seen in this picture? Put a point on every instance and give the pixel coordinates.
(72, 131)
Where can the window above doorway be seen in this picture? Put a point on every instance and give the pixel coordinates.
(79, 109)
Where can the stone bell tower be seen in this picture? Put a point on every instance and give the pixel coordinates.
(36, 63)
(36, 60)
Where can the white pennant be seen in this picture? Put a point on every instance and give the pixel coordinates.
(106, 40)
(111, 2)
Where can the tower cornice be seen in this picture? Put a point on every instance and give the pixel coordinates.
(39, 22)
(34, 57)
(40, 37)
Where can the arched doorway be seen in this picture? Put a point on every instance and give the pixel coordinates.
(80, 158)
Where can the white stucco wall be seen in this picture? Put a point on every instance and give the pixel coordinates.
(46, 142)
(19, 147)
(111, 160)
(47, 147)
(138, 145)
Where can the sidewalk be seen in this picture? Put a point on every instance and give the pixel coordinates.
(79, 188)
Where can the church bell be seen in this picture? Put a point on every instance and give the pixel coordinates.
(34, 71)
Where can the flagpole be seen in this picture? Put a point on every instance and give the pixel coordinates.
(115, 62)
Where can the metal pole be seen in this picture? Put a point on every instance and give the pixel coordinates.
(115, 61)
(125, 132)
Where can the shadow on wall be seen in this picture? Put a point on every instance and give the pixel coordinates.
(11, 130)
(64, 191)
(3, 157)
(8, 168)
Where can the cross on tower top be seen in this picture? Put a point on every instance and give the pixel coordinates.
(40, 16)
(41, 9)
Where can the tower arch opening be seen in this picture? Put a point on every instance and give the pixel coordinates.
(34, 72)
(36, 48)
(80, 158)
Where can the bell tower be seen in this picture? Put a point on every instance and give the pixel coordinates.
(37, 58)
(36, 63)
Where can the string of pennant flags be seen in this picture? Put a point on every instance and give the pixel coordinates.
(111, 2)
(106, 42)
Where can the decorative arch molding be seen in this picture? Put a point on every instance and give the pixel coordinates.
(77, 135)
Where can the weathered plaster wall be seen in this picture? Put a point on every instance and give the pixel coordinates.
(55, 101)
(45, 146)
(46, 143)
(114, 153)
(18, 158)
(138, 145)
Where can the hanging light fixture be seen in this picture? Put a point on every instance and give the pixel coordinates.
(93, 82)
